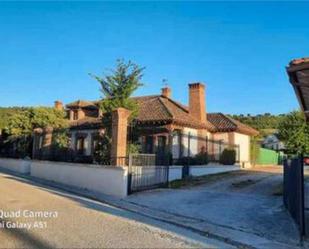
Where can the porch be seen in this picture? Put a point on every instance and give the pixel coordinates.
(182, 143)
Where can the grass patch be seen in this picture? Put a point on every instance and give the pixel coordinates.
(199, 180)
(278, 190)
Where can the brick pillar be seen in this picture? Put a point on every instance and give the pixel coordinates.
(47, 142)
(58, 105)
(37, 133)
(119, 136)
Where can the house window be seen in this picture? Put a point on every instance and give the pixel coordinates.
(75, 115)
(95, 142)
(80, 145)
(161, 145)
(149, 144)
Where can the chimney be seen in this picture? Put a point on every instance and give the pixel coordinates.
(166, 92)
(58, 105)
(197, 106)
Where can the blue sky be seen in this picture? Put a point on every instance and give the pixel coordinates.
(239, 49)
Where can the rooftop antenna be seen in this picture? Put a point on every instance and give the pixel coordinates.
(165, 82)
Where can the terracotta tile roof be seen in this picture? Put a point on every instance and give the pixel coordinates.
(160, 109)
(224, 123)
(88, 122)
(152, 109)
(82, 103)
(298, 71)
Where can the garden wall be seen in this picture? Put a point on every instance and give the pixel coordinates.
(108, 180)
(16, 165)
(211, 169)
(175, 173)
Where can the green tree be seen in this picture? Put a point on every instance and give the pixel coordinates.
(6, 113)
(294, 132)
(117, 88)
(25, 121)
(21, 125)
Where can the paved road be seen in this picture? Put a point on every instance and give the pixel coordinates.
(80, 222)
(244, 201)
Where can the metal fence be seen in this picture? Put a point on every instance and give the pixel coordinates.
(51, 154)
(142, 159)
(293, 191)
(193, 146)
(144, 173)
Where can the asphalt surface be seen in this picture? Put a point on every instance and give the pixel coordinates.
(244, 201)
(76, 222)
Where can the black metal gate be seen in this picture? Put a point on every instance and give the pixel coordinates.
(144, 174)
(293, 191)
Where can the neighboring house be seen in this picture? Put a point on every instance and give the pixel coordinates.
(272, 142)
(162, 122)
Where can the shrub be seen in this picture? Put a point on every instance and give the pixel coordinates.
(186, 160)
(133, 148)
(165, 158)
(228, 157)
(201, 158)
(102, 151)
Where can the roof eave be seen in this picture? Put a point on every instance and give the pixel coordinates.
(298, 86)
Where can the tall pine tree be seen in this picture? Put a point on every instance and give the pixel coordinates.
(117, 89)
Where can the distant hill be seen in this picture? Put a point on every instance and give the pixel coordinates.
(265, 123)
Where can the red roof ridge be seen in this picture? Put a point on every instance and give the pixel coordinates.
(80, 101)
(176, 103)
(166, 108)
(231, 119)
(146, 96)
(224, 122)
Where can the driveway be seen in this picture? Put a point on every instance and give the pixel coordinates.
(246, 201)
(77, 222)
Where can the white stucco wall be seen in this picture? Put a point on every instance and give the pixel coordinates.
(16, 165)
(221, 136)
(176, 146)
(108, 180)
(175, 173)
(224, 137)
(244, 146)
(193, 141)
(210, 169)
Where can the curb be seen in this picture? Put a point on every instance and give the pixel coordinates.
(188, 223)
